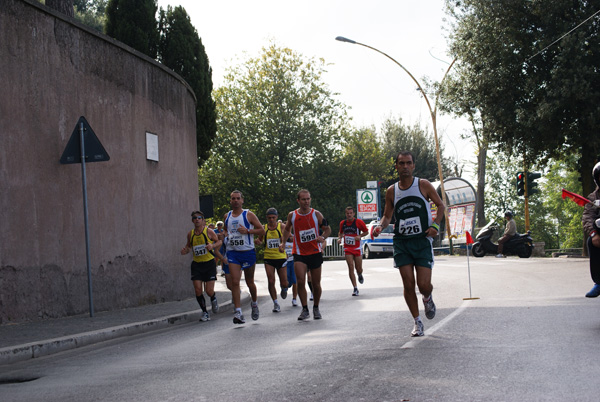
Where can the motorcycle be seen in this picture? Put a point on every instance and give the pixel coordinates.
(520, 244)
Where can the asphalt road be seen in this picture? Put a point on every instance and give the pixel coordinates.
(531, 335)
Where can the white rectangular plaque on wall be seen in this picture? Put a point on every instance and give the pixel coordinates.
(152, 147)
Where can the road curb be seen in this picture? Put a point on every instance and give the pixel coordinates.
(18, 353)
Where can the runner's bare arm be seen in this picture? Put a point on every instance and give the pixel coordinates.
(387, 211)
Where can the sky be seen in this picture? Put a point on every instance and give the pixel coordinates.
(410, 31)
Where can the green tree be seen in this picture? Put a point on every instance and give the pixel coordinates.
(91, 13)
(133, 22)
(277, 120)
(181, 49)
(500, 185)
(398, 137)
(565, 214)
(361, 159)
(531, 75)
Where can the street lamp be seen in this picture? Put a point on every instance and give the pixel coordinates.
(432, 112)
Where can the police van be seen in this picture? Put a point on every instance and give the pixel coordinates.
(382, 245)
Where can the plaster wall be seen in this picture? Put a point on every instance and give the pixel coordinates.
(52, 71)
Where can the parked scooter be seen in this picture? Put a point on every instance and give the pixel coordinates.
(520, 244)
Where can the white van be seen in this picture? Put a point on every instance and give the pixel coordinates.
(380, 245)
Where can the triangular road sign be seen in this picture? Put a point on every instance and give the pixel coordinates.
(94, 151)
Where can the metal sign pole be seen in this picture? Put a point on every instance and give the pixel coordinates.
(85, 215)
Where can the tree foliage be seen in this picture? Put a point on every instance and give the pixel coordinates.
(133, 22)
(397, 137)
(279, 126)
(91, 13)
(280, 129)
(536, 98)
(565, 215)
(180, 48)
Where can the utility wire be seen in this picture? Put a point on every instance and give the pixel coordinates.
(544, 49)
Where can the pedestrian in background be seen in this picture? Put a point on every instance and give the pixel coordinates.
(591, 213)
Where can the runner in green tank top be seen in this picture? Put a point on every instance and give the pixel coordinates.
(408, 201)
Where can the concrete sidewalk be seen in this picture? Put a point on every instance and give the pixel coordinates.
(29, 340)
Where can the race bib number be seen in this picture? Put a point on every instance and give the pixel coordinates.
(272, 243)
(236, 241)
(410, 226)
(308, 235)
(350, 241)
(200, 250)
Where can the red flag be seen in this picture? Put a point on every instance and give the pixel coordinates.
(579, 200)
(469, 238)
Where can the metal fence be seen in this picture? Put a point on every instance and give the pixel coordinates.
(333, 249)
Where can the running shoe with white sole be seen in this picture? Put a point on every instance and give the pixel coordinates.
(205, 317)
(255, 312)
(215, 306)
(418, 329)
(284, 293)
(311, 296)
(429, 308)
(304, 315)
(355, 293)
(238, 318)
(276, 308)
(361, 280)
(294, 303)
(316, 313)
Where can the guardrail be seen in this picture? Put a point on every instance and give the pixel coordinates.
(333, 249)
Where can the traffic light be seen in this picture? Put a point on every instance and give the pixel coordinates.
(531, 184)
(520, 183)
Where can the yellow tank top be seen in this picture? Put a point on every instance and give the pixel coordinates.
(199, 242)
(272, 242)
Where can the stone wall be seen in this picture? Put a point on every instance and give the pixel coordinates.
(54, 70)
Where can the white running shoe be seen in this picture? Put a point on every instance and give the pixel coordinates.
(238, 318)
(355, 293)
(205, 317)
(276, 308)
(418, 329)
(294, 303)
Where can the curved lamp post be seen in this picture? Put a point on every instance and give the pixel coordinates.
(433, 113)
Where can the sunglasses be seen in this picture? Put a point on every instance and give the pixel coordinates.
(197, 217)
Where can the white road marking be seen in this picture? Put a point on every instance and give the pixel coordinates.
(415, 341)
